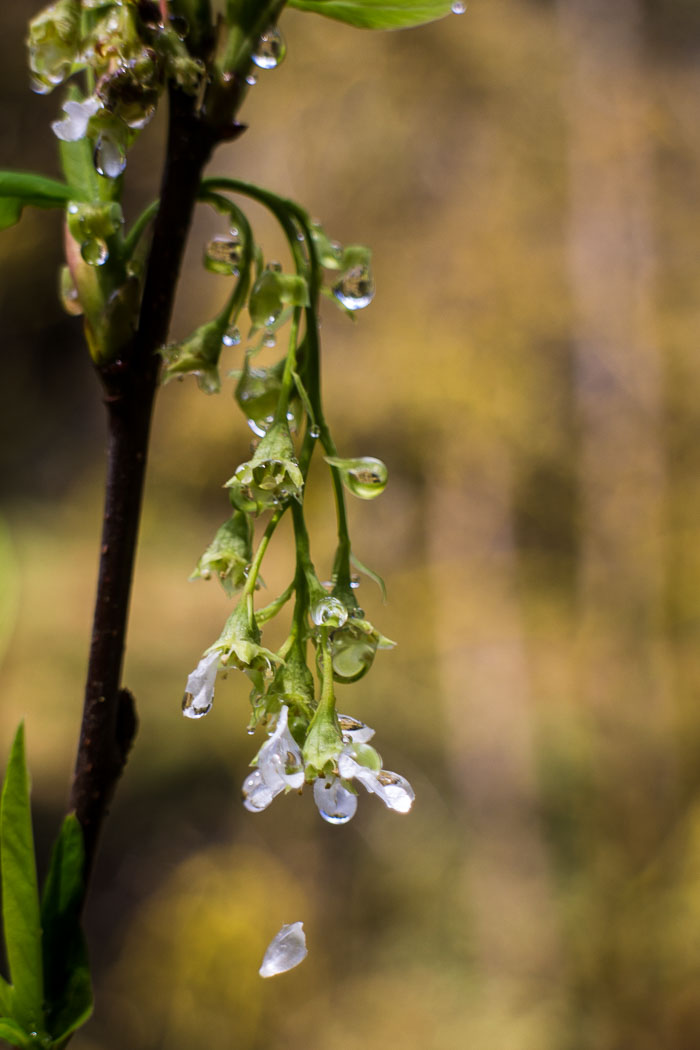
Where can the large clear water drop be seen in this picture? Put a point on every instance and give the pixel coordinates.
(355, 289)
(270, 49)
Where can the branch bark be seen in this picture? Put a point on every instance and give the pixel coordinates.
(109, 717)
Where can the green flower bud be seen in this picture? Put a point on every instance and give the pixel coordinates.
(229, 554)
(54, 43)
(273, 291)
(198, 355)
(239, 644)
(271, 477)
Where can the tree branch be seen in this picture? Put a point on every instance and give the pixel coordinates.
(109, 716)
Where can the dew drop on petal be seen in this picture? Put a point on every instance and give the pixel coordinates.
(458, 7)
(190, 708)
(335, 803)
(270, 49)
(395, 791)
(355, 289)
(285, 951)
(94, 251)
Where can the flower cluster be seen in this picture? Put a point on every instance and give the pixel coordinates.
(279, 767)
(131, 54)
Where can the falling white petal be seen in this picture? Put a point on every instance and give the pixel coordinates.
(285, 951)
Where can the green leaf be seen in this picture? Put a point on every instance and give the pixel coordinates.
(18, 188)
(377, 14)
(20, 897)
(11, 1032)
(66, 971)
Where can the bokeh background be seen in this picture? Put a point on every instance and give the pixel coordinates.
(529, 178)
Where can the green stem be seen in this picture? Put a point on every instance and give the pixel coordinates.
(272, 524)
(289, 369)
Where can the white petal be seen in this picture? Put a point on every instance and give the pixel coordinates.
(335, 803)
(257, 793)
(393, 789)
(199, 691)
(77, 117)
(280, 758)
(286, 950)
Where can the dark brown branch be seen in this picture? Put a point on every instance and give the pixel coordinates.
(109, 717)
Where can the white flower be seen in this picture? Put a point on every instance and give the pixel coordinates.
(77, 117)
(199, 691)
(393, 789)
(286, 950)
(279, 766)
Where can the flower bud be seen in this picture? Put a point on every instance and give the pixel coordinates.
(229, 554)
(54, 43)
(271, 477)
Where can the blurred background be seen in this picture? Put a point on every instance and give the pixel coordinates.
(529, 178)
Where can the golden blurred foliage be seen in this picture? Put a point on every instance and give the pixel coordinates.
(528, 176)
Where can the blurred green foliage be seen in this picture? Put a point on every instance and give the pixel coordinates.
(529, 373)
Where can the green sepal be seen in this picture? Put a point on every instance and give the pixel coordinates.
(67, 982)
(20, 895)
(19, 189)
(361, 567)
(377, 14)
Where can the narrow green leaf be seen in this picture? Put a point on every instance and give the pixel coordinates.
(18, 188)
(20, 897)
(66, 972)
(371, 573)
(11, 1032)
(377, 14)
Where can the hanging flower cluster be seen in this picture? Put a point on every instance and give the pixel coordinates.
(292, 691)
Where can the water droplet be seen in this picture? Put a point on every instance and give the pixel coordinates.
(251, 80)
(223, 254)
(250, 732)
(355, 289)
(458, 7)
(365, 477)
(329, 612)
(354, 582)
(73, 208)
(232, 336)
(109, 158)
(274, 266)
(270, 49)
(269, 340)
(335, 803)
(314, 431)
(286, 950)
(95, 251)
(352, 653)
(140, 119)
